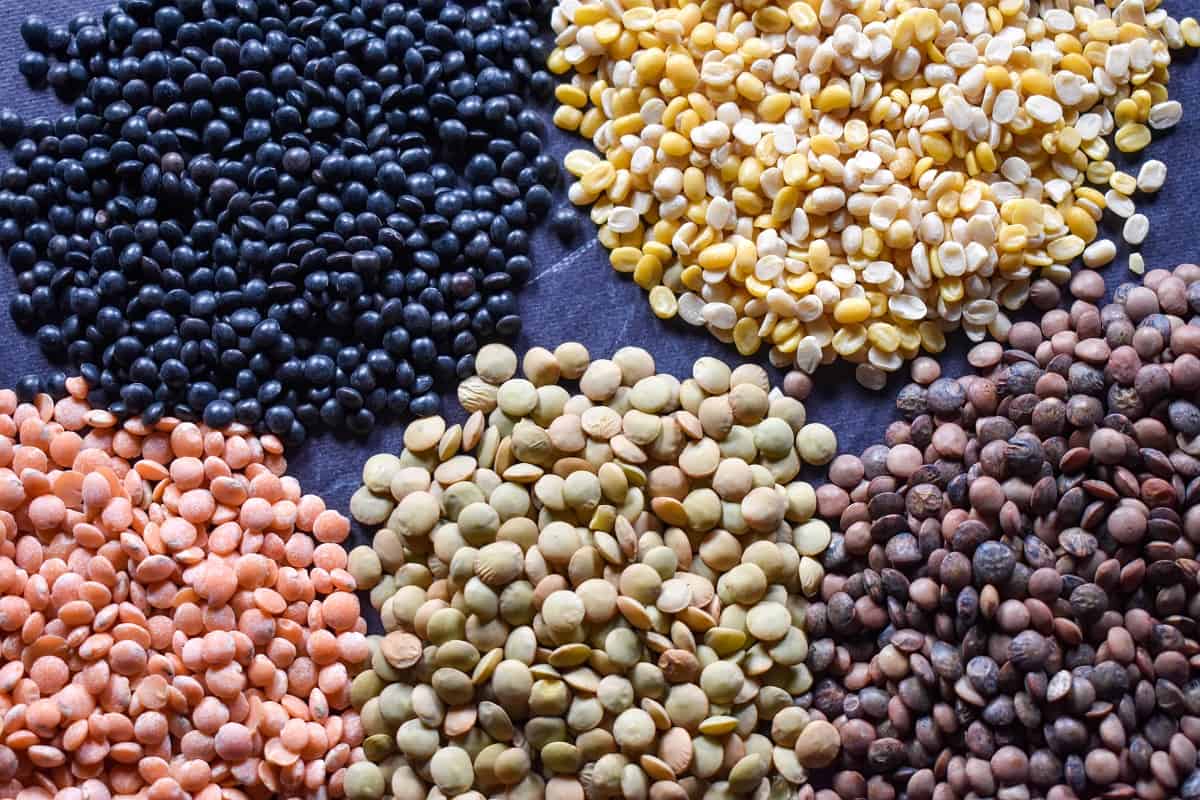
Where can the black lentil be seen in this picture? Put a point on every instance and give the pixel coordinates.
(292, 215)
(565, 224)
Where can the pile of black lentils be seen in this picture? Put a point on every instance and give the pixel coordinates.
(288, 214)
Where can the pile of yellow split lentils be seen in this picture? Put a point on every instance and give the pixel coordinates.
(854, 180)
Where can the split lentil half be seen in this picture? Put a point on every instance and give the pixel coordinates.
(176, 618)
(600, 591)
(834, 179)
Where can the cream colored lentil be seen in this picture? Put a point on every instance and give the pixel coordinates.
(835, 179)
(641, 590)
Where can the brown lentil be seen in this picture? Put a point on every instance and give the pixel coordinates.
(1009, 597)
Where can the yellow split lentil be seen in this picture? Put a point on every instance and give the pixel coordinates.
(825, 178)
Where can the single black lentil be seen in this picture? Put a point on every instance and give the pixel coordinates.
(292, 215)
(565, 224)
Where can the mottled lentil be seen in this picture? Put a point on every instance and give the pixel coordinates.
(289, 216)
(618, 611)
(1007, 610)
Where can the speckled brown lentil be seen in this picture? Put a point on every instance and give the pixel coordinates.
(1009, 602)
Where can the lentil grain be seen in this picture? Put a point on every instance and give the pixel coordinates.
(628, 590)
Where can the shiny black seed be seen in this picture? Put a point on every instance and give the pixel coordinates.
(236, 177)
(565, 223)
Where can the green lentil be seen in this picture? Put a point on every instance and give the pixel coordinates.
(816, 443)
(364, 566)
(364, 781)
(424, 434)
(452, 770)
(540, 366)
(495, 363)
(517, 397)
(578, 584)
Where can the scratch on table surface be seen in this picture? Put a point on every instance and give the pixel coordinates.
(624, 328)
(564, 262)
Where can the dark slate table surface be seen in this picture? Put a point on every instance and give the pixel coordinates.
(575, 295)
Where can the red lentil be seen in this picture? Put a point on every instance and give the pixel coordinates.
(176, 617)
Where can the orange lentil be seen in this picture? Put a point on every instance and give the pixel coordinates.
(278, 754)
(322, 647)
(256, 514)
(237, 454)
(219, 648)
(329, 556)
(285, 515)
(193, 774)
(47, 512)
(156, 447)
(269, 601)
(340, 610)
(50, 673)
(151, 471)
(117, 515)
(197, 505)
(266, 486)
(179, 635)
(225, 538)
(330, 526)
(44, 756)
(299, 550)
(187, 472)
(228, 491)
(64, 447)
(76, 734)
(12, 492)
(165, 788)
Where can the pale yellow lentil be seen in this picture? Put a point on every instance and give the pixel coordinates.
(826, 181)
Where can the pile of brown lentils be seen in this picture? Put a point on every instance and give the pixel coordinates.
(176, 617)
(595, 594)
(1009, 605)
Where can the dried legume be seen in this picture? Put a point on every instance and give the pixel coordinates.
(605, 599)
(1008, 600)
(177, 618)
(855, 179)
(291, 216)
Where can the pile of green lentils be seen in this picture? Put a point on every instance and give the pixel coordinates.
(596, 592)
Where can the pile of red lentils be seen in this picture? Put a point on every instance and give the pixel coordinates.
(176, 617)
